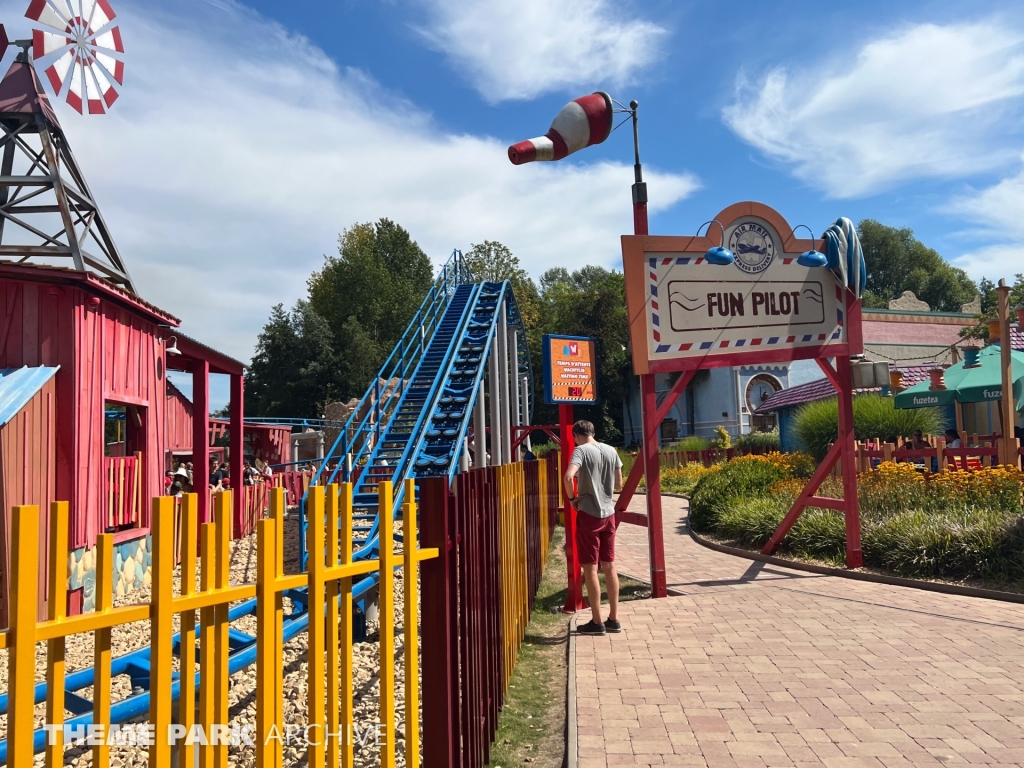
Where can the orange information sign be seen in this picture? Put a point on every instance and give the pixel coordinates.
(570, 369)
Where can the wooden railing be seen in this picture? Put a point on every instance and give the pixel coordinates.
(123, 475)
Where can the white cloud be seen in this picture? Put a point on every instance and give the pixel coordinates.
(238, 152)
(998, 212)
(927, 101)
(523, 49)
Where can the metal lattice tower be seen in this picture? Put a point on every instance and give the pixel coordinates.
(48, 215)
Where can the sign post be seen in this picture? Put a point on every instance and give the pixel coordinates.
(688, 314)
(570, 377)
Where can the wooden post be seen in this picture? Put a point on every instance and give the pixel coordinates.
(236, 446)
(1007, 455)
(201, 437)
(574, 597)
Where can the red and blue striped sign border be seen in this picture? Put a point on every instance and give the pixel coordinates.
(808, 338)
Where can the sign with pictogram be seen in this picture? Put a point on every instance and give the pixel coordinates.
(570, 369)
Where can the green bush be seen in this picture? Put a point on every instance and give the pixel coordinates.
(816, 425)
(736, 479)
(769, 441)
(691, 443)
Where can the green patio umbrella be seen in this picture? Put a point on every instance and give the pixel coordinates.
(980, 384)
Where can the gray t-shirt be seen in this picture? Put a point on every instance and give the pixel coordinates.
(597, 463)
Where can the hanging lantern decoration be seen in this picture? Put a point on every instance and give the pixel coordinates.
(813, 257)
(938, 380)
(896, 380)
(718, 254)
(971, 357)
(993, 331)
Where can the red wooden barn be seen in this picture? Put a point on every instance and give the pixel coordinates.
(70, 312)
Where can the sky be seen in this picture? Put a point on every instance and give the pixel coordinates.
(249, 135)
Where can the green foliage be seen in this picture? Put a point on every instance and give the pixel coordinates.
(722, 437)
(294, 370)
(590, 302)
(897, 262)
(769, 441)
(816, 424)
(691, 443)
(367, 294)
(737, 479)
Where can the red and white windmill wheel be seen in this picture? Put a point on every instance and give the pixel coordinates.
(88, 45)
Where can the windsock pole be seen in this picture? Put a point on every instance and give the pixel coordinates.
(639, 186)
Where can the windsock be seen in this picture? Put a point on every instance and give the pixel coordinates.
(581, 123)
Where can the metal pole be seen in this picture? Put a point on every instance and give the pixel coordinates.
(513, 385)
(1008, 453)
(480, 429)
(524, 398)
(505, 423)
(495, 391)
(639, 187)
(464, 458)
(348, 468)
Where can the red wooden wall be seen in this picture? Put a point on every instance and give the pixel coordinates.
(177, 420)
(106, 352)
(27, 476)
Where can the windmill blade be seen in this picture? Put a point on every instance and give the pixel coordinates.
(101, 92)
(111, 40)
(112, 67)
(49, 14)
(45, 43)
(97, 14)
(57, 72)
(76, 90)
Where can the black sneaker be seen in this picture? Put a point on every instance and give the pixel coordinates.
(611, 625)
(590, 628)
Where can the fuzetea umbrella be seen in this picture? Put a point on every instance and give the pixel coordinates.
(979, 384)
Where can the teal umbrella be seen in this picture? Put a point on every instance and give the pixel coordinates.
(983, 383)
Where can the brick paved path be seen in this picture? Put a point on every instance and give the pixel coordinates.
(760, 666)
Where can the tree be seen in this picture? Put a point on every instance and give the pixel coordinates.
(294, 371)
(897, 262)
(591, 302)
(367, 295)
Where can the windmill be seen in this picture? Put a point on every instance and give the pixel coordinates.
(48, 215)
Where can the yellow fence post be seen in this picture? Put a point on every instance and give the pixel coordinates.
(412, 655)
(266, 644)
(333, 651)
(345, 670)
(207, 617)
(21, 638)
(57, 611)
(101, 653)
(187, 654)
(161, 631)
(385, 506)
(221, 627)
(277, 510)
(315, 633)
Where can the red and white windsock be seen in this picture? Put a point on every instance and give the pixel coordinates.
(581, 123)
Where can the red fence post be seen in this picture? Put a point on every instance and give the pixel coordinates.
(652, 472)
(574, 596)
(440, 653)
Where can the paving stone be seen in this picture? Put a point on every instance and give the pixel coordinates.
(754, 665)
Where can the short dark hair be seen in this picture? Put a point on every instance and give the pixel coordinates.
(582, 427)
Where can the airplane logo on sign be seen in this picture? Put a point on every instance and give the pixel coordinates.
(571, 350)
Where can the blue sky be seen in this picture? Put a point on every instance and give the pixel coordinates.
(249, 135)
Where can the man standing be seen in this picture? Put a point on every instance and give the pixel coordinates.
(599, 471)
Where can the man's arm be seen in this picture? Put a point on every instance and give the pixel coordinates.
(618, 478)
(570, 473)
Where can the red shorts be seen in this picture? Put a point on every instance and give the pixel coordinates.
(595, 538)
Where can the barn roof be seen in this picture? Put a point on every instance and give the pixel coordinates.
(19, 385)
(821, 389)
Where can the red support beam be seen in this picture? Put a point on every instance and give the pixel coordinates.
(637, 471)
(652, 471)
(574, 596)
(236, 447)
(201, 438)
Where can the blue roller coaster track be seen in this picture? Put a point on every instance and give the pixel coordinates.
(412, 422)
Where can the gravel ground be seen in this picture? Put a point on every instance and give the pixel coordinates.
(366, 685)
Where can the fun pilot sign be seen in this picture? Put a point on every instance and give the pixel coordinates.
(764, 307)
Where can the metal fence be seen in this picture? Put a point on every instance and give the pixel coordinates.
(493, 528)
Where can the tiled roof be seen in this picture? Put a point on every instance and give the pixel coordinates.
(822, 388)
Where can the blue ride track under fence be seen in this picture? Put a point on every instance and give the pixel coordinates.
(413, 421)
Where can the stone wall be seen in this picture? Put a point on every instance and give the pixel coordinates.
(133, 564)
